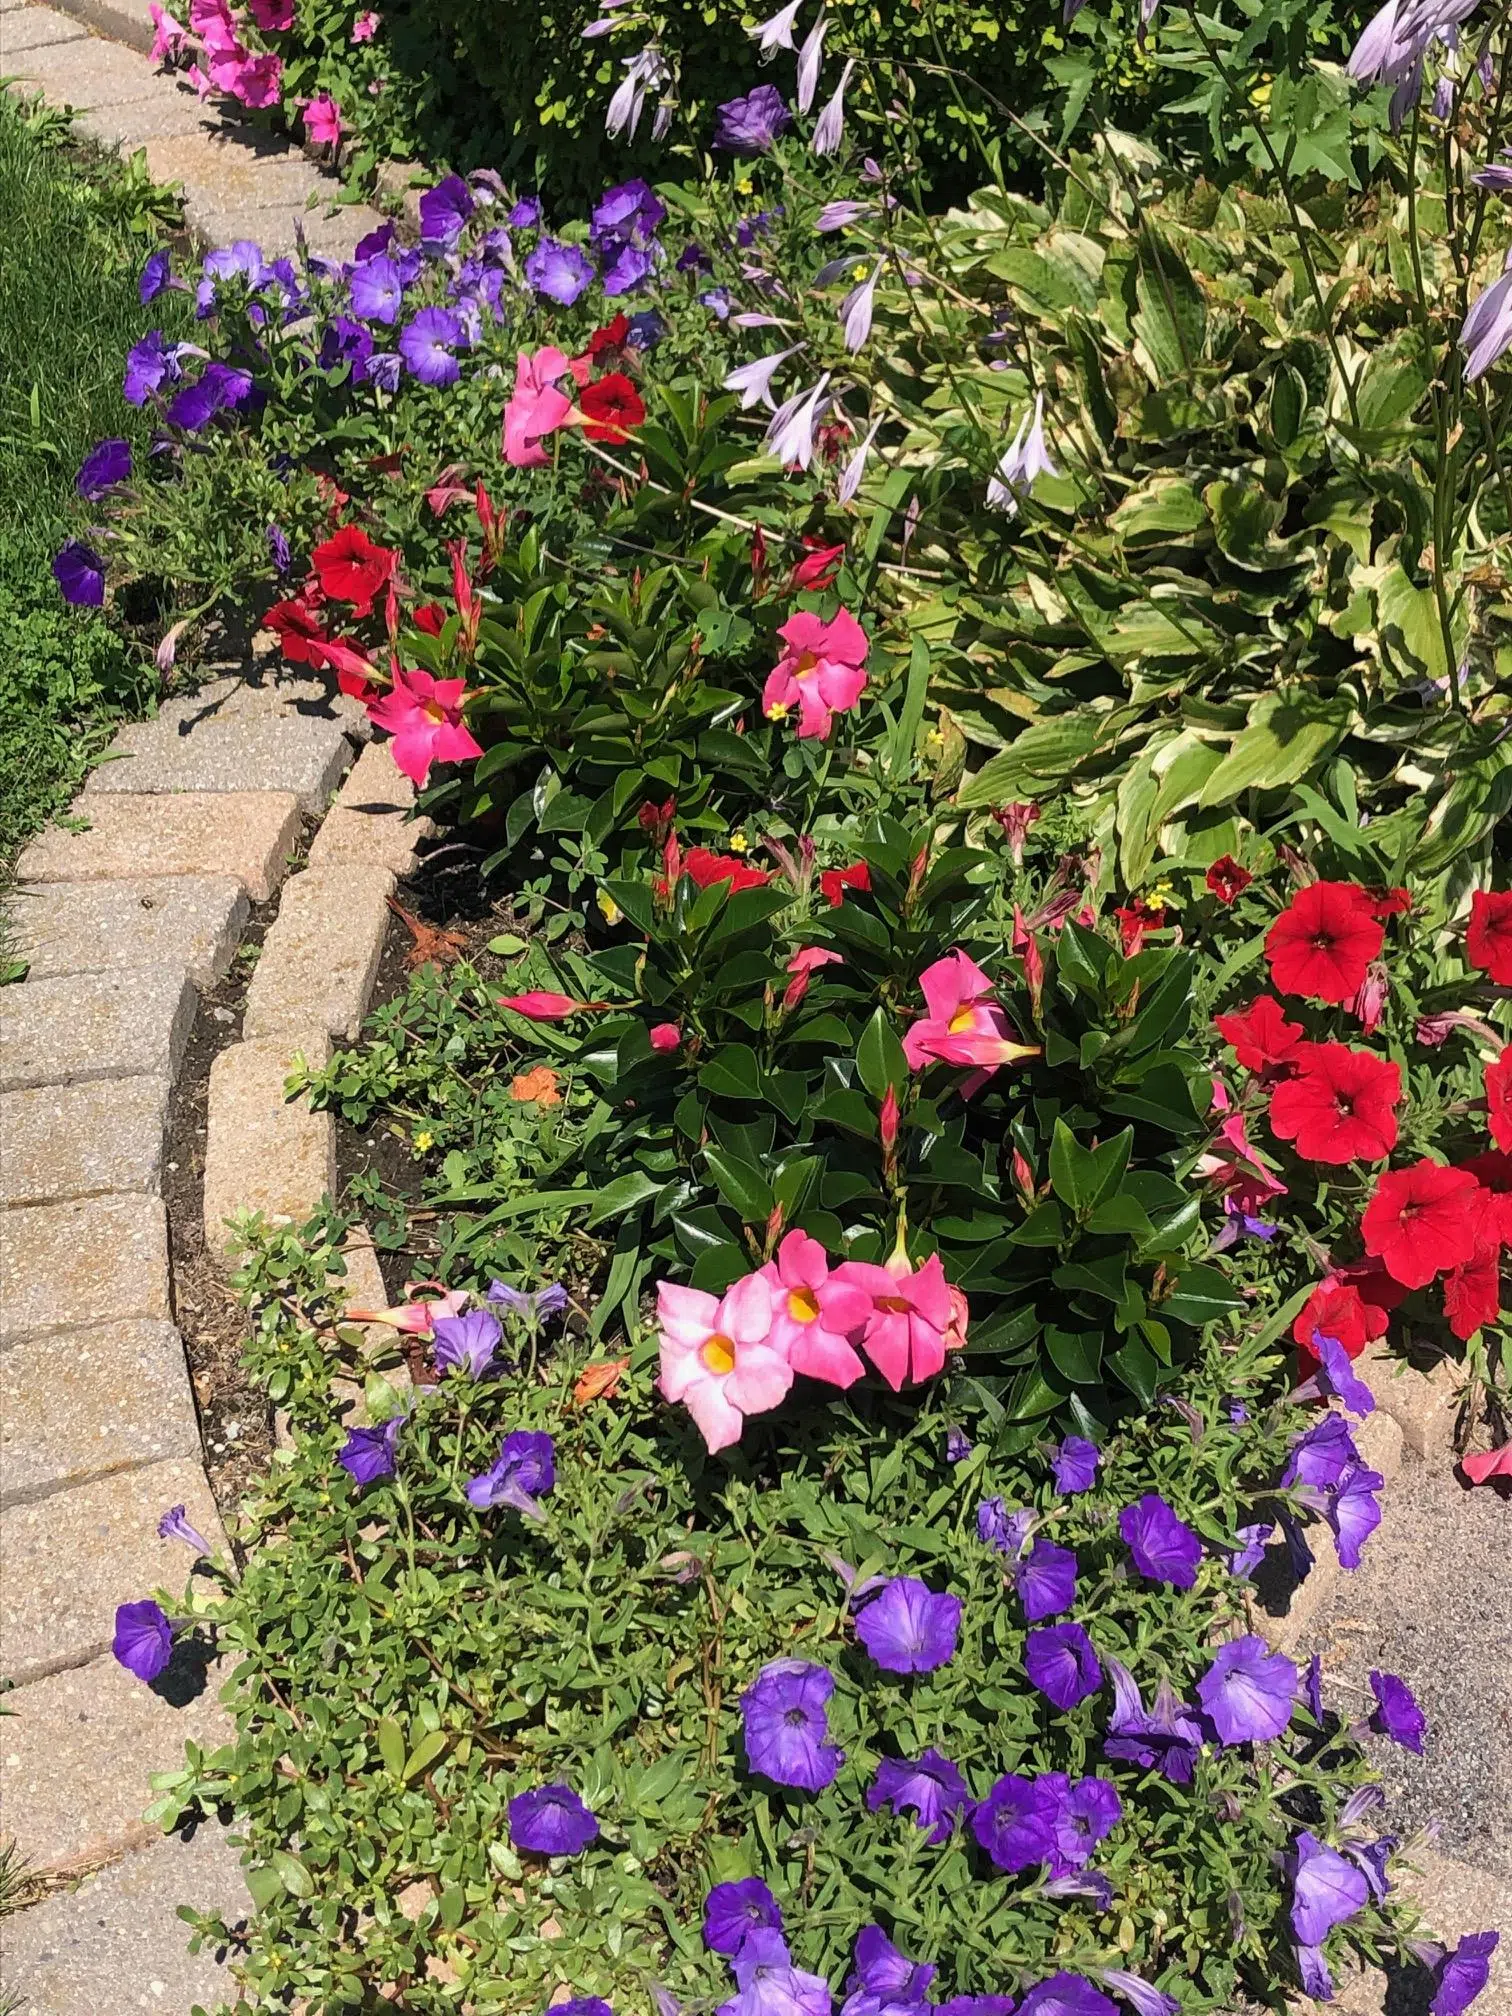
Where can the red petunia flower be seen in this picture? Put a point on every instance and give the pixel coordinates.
(1261, 1037)
(835, 881)
(612, 404)
(820, 563)
(1339, 1105)
(1472, 1291)
(1493, 1172)
(301, 635)
(610, 337)
(350, 568)
(1133, 922)
(429, 617)
(1488, 942)
(1226, 879)
(1499, 1098)
(1323, 941)
(1390, 902)
(1340, 1311)
(706, 868)
(1422, 1221)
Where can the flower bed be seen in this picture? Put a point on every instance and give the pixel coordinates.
(903, 790)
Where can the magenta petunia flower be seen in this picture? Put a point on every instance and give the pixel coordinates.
(908, 1627)
(1248, 1691)
(1062, 1664)
(784, 1713)
(552, 1820)
(424, 716)
(933, 1789)
(143, 1639)
(1164, 1548)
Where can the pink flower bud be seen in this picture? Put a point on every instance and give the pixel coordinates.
(542, 1006)
(665, 1036)
(889, 1121)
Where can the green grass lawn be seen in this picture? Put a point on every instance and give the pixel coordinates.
(74, 232)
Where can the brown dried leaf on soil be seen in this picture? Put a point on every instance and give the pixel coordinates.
(432, 946)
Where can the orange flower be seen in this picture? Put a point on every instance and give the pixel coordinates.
(536, 1088)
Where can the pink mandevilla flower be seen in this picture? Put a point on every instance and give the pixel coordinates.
(912, 1315)
(965, 1024)
(424, 716)
(719, 1357)
(815, 1310)
(803, 965)
(821, 673)
(536, 407)
(665, 1036)
(415, 1319)
(541, 1005)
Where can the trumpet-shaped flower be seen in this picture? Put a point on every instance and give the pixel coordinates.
(143, 1641)
(933, 1789)
(645, 72)
(754, 381)
(810, 56)
(790, 432)
(777, 32)
(424, 716)
(829, 127)
(821, 673)
(719, 1356)
(856, 310)
(905, 1329)
(1025, 458)
(815, 1311)
(785, 1716)
(536, 408)
(964, 1025)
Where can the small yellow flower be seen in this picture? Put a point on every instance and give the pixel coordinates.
(745, 185)
(934, 739)
(777, 711)
(423, 1141)
(1162, 895)
(738, 843)
(609, 910)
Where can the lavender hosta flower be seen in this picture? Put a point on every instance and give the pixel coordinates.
(841, 215)
(1046, 1580)
(754, 381)
(467, 1343)
(443, 212)
(1138, 1993)
(278, 548)
(909, 1627)
(1066, 1995)
(532, 1305)
(1163, 1547)
(1165, 1738)
(1074, 1465)
(1013, 1825)
(933, 1789)
(810, 56)
(1025, 458)
(777, 32)
(1497, 177)
(732, 1911)
(1461, 1976)
(1326, 1890)
(551, 1821)
(429, 343)
(829, 127)
(80, 574)
(174, 1525)
(856, 310)
(368, 1454)
(770, 1985)
(155, 276)
(1486, 332)
(645, 72)
(1397, 1713)
(1060, 1661)
(1248, 1692)
(377, 290)
(1006, 1531)
(523, 1474)
(143, 1641)
(855, 468)
(749, 125)
(107, 464)
(791, 429)
(1354, 1512)
(784, 1716)
(1250, 1552)
(1083, 1811)
(560, 272)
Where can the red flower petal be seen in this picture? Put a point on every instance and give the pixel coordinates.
(1339, 1105)
(1324, 940)
(1261, 1037)
(1488, 942)
(1422, 1221)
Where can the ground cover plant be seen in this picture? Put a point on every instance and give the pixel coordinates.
(73, 233)
(994, 725)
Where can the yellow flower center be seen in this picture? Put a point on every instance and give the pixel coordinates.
(717, 1354)
(807, 660)
(961, 1021)
(893, 1304)
(803, 1306)
(432, 712)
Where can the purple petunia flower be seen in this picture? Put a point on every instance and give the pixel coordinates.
(749, 125)
(156, 275)
(377, 290)
(631, 267)
(174, 1525)
(547, 1301)
(1002, 1529)
(428, 343)
(976, 2005)
(631, 210)
(957, 1445)
(219, 386)
(583, 2005)
(1325, 1890)
(278, 548)
(908, 1627)
(385, 369)
(1371, 1858)
(932, 1788)
(149, 365)
(1060, 1661)
(1321, 1454)
(882, 1978)
(1140, 1996)
(106, 464)
(1248, 1691)
(443, 212)
(784, 1716)
(80, 574)
(524, 1473)
(646, 330)
(552, 1820)
(1312, 1687)
(376, 241)
(467, 1343)
(1336, 1376)
(368, 1453)
(526, 214)
(1354, 1512)
(1014, 1825)
(1046, 1580)
(769, 1983)
(693, 258)
(560, 271)
(1075, 1464)
(1250, 1552)
(143, 1641)
(1164, 1548)
(346, 342)
(1397, 1713)
(1166, 1738)
(732, 1911)
(1066, 1995)
(1461, 1975)
(1082, 1812)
